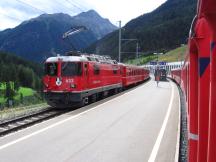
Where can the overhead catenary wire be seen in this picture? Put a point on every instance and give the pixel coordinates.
(40, 11)
(11, 17)
(44, 12)
(83, 8)
(64, 6)
(74, 5)
(26, 4)
(18, 19)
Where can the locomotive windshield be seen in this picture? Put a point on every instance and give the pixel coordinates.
(51, 69)
(71, 69)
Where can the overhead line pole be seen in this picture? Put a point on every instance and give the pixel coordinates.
(137, 48)
(119, 41)
(137, 52)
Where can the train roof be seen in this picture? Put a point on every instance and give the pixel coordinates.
(176, 69)
(67, 58)
(133, 66)
(82, 58)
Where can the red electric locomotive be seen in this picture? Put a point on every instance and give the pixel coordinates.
(74, 80)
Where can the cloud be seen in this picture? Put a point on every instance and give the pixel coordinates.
(14, 12)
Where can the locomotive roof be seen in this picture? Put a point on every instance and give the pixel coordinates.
(67, 58)
(100, 59)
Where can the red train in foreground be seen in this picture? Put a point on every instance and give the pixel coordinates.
(197, 79)
(76, 79)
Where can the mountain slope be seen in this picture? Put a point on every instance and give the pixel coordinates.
(41, 37)
(163, 29)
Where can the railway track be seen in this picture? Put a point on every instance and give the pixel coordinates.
(23, 122)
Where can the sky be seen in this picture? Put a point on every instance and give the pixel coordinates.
(13, 12)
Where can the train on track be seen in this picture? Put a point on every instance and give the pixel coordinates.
(77, 79)
(197, 79)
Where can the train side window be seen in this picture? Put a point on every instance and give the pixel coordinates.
(121, 70)
(115, 71)
(96, 69)
(86, 69)
(85, 65)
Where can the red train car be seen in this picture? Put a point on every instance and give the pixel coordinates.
(132, 75)
(74, 80)
(198, 81)
(176, 75)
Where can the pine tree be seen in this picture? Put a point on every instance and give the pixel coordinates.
(9, 92)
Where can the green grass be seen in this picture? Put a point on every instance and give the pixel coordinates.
(2, 100)
(26, 91)
(142, 60)
(2, 87)
(1, 97)
(175, 55)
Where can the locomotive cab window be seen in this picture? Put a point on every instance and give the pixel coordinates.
(71, 69)
(51, 69)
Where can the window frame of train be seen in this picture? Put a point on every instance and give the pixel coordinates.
(96, 69)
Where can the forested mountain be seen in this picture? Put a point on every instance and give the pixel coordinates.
(20, 71)
(41, 37)
(165, 28)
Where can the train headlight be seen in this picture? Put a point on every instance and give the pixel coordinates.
(73, 85)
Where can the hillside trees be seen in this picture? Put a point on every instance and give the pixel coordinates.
(19, 71)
